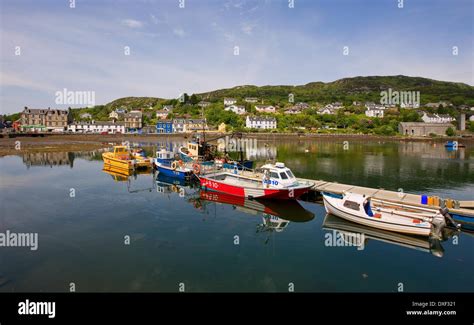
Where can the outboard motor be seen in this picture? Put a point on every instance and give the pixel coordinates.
(445, 213)
(439, 223)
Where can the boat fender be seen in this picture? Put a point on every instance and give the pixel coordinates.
(174, 165)
(236, 170)
(196, 168)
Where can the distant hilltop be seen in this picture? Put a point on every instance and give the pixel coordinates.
(346, 90)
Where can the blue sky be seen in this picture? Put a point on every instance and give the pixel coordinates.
(191, 49)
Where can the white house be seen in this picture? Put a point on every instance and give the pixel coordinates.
(437, 118)
(302, 105)
(437, 104)
(162, 114)
(374, 112)
(229, 101)
(293, 110)
(260, 122)
(167, 108)
(265, 108)
(119, 112)
(409, 105)
(114, 115)
(329, 109)
(237, 109)
(203, 104)
(326, 110)
(251, 99)
(85, 116)
(96, 127)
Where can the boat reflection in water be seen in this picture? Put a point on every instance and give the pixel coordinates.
(123, 175)
(354, 234)
(166, 185)
(275, 215)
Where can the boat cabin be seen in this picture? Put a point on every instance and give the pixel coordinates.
(121, 152)
(192, 149)
(278, 175)
(164, 155)
(357, 202)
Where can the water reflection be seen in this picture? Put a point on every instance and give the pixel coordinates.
(121, 175)
(48, 159)
(275, 215)
(346, 233)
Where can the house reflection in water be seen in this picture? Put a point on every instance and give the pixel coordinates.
(48, 159)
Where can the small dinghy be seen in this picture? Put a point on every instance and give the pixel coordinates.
(275, 182)
(357, 208)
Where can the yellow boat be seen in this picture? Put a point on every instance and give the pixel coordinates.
(118, 174)
(120, 157)
(141, 160)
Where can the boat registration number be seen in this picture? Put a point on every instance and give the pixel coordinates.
(211, 184)
(270, 181)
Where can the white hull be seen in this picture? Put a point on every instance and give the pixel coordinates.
(333, 206)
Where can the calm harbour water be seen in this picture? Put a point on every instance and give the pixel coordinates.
(186, 237)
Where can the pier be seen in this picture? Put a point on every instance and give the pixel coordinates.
(464, 208)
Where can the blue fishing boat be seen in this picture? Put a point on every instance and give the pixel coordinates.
(453, 144)
(167, 165)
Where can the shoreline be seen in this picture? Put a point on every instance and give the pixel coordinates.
(82, 142)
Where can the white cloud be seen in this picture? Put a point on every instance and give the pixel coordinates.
(132, 23)
(179, 32)
(247, 28)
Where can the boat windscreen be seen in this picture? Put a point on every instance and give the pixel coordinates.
(368, 209)
(283, 175)
(290, 173)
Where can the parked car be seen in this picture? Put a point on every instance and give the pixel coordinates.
(104, 133)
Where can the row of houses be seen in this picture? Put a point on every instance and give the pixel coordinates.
(55, 120)
(181, 125)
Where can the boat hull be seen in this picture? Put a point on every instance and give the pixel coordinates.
(179, 173)
(251, 192)
(331, 206)
(118, 163)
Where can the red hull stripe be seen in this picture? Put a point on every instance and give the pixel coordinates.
(287, 194)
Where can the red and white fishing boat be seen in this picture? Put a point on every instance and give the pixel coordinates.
(273, 182)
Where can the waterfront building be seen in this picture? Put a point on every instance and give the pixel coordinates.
(46, 120)
(196, 125)
(164, 126)
(423, 129)
(97, 127)
(182, 125)
(133, 121)
(261, 122)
